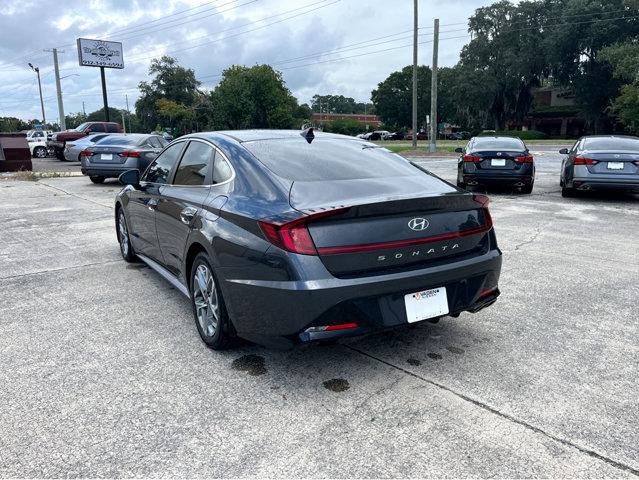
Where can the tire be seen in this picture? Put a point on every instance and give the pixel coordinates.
(461, 184)
(211, 319)
(97, 180)
(568, 192)
(59, 154)
(40, 152)
(122, 232)
(527, 189)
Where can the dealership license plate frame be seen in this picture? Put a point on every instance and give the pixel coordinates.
(426, 304)
(498, 162)
(617, 165)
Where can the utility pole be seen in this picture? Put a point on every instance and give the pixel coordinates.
(433, 90)
(44, 119)
(128, 112)
(84, 112)
(63, 124)
(415, 28)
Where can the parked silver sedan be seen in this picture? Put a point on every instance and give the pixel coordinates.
(602, 162)
(113, 155)
(73, 148)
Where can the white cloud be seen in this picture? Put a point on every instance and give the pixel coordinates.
(146, 31)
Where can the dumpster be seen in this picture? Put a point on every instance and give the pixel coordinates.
(14, 152)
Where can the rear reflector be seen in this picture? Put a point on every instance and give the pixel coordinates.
(585, 161)
(526, 159)
(332, 328)
(130, 154)
(488, 291)
(472, 158)
(294, 236)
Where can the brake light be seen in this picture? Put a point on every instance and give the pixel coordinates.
(472, 158)
(585, 161)
(294, 236)
(86, 153)
(526, 159)
(130, 154)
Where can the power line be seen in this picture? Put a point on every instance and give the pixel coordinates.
(171, 52)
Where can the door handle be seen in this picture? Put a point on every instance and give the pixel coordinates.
(152, 204)
(187, 215)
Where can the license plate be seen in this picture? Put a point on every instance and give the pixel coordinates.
(106, 156)
(426, 304)
(498, 162)
(615, 165)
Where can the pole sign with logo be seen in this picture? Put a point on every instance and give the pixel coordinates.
(103, 54)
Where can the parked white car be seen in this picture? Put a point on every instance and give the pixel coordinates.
(38, 145)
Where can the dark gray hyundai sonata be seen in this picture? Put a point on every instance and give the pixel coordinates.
(285, 237)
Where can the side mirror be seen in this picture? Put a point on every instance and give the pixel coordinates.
(564, 151)
(130, 177)
(459, 150)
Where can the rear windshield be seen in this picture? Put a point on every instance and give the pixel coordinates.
(615, 143)
(492, 143)
(120, 140)
(327, 159)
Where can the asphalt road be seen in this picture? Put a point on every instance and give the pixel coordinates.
(103, 373)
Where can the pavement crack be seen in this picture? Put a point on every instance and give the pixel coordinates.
(53, 270)
(75, 195)
(506, 416)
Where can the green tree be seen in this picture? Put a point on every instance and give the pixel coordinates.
(252, 97)
(393, 97)
(344, 126)
(170, 82)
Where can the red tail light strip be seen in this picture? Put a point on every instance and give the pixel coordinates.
(405, 243)
(585, 161)
(527, 159)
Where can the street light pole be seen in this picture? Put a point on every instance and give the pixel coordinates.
(44, 119)
(63, 123)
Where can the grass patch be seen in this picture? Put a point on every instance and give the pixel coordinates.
(31, 176)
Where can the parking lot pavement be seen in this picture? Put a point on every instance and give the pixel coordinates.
(52, 164)
(104, 374)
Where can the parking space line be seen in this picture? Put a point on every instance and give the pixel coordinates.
(488, 408)
(76, 196)
(53, 270)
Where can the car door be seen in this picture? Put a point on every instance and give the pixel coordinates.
(143, 202)
(181, 200)
(567, 166)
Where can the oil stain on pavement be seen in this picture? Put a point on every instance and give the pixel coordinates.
(414, 362)
(336, 385)
(251, 364)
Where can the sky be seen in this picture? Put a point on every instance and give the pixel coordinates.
(321, 47)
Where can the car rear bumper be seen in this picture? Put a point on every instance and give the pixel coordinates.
(606, 182)
(104, 172)
(279, 313)
(493, 179)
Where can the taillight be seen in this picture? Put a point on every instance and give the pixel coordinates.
(130, 154)
(526, 159)
(294, 236)
(472, 158)
(585, 161)
(483, 200)
(86, 153)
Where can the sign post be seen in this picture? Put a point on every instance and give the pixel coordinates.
(103, 54)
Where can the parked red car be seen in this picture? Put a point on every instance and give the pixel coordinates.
(59, 139)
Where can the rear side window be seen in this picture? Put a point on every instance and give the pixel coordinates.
(614, 143)
(221, 170)
(492, 143)
(195, 165)
(160, 170)
(155, 142)
(96, 127)
(112, 128)
(327, 159)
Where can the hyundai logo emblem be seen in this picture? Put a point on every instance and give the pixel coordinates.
(418, 224)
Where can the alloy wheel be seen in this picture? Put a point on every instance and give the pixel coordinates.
(207, 305)
(124, 234)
